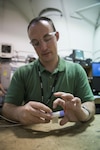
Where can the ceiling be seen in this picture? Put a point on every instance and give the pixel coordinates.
(88, 10)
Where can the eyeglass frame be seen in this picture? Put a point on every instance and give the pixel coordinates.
(45, 40)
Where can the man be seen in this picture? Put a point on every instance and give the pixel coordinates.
(48, 84)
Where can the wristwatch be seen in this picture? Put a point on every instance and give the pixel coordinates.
(88, 113)
(86, 109)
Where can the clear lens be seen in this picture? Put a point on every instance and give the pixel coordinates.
(46, 39)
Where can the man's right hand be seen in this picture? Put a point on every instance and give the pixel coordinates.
(28, 114)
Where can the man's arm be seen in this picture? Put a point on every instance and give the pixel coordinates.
(30, 113)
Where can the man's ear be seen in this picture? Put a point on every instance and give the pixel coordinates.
(57, 35)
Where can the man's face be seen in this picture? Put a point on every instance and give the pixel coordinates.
(44, 40)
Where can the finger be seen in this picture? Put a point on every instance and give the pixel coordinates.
(41, 120)
(43, 115)
(40, 106)
(76, 101)
(34, 112)
(38, 120)
(63, 95)
(63, 121)
(59, 102)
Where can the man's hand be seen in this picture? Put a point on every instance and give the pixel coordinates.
(28, 114)
(34, 112)
(72, 107)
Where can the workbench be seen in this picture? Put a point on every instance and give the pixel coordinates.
(51, 136)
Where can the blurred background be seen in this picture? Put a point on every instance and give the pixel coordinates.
(78, 22)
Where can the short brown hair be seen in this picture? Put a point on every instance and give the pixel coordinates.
(37, 19)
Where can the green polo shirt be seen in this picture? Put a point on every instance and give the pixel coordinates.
(26, 86)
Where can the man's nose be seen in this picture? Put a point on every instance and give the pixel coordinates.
(43, 45)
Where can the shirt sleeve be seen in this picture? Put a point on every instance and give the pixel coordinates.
(82, 86)
(16, 90)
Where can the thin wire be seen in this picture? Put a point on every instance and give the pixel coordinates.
(11, 121)
(11, 125)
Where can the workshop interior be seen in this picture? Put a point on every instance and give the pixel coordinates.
(78, 23)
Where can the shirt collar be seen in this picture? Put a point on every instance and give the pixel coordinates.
(60, 67)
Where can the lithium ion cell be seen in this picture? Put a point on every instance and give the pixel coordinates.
(58, 114)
